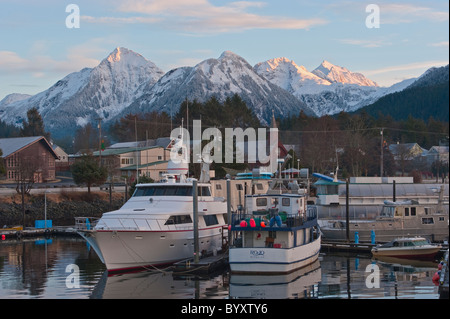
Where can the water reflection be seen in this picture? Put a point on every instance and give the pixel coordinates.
(37, 269)
(298, 284)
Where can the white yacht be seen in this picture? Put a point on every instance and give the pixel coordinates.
(155, 226)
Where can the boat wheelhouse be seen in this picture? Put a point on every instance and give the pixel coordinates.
(273, 234)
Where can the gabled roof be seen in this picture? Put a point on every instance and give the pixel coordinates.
(12, 145)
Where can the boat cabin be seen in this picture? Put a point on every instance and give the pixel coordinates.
(274, 221)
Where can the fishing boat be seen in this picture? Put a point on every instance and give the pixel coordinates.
(155, 226)
(407, 247)
(399, 218)
(274, 233)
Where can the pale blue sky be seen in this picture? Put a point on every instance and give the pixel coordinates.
(37, 49)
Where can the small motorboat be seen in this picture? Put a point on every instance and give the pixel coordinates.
(407, 247)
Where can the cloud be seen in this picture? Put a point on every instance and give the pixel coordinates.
(202, 16)
(406, 67)
(365, 43)
(41, 65)
(440, 44)
(407, 13)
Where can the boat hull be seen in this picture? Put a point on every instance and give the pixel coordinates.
(122, 251)
(412, 253)
(273, 260)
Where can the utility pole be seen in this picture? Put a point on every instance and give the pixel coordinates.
(100, 139)
(381, 156)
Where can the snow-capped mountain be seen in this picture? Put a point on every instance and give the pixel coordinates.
(222, 77)
(83, 96)
(329, 89)
(11, 98)
(125, 82)
(338, 74)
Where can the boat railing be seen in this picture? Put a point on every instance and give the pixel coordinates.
(271, 218)
(86, 223)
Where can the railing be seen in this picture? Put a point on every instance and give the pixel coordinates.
(86, 223)
(273, 218)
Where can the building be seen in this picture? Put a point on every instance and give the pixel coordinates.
(124, 160)
(437, 154)
(62, 163)
(28, 158)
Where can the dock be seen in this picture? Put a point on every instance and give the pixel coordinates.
(346, 246)
(37, 232)
(204, 267)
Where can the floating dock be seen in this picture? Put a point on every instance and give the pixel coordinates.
(204, 266)
(346, 246)
(12, 233)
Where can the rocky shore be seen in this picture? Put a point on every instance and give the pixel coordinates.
(62, 208)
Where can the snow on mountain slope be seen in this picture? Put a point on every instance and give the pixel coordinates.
(83, 96)
(334, 73)
(222, 77)
(329, 89)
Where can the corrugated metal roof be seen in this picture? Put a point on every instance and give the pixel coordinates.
(386, 190)
(13, 144)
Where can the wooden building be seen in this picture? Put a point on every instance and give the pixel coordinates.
(29, 158)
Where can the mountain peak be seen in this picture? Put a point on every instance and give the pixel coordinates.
(335, 73)
(121, 54)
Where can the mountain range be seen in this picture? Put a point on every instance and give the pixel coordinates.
(125, 82)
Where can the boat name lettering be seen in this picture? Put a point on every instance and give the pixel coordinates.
(257, 253)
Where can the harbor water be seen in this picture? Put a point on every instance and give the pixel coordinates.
(66, 268)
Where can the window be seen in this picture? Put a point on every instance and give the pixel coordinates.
(261, 201)
(406, 211)
(413, 211)
(210, 220)
(203, 191)
(239, 187)
(159, 158)
(178, 219)
(286, 201)
(259, 187)
(428, 221)
(163, 191)
(218, 187)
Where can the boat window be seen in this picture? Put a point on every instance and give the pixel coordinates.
(261, 201)
(203, 191)
(179, 219)
(210, 220)
(427, 221)
(163, 191)
(388, 211)
(286, 201)
(184, 191)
